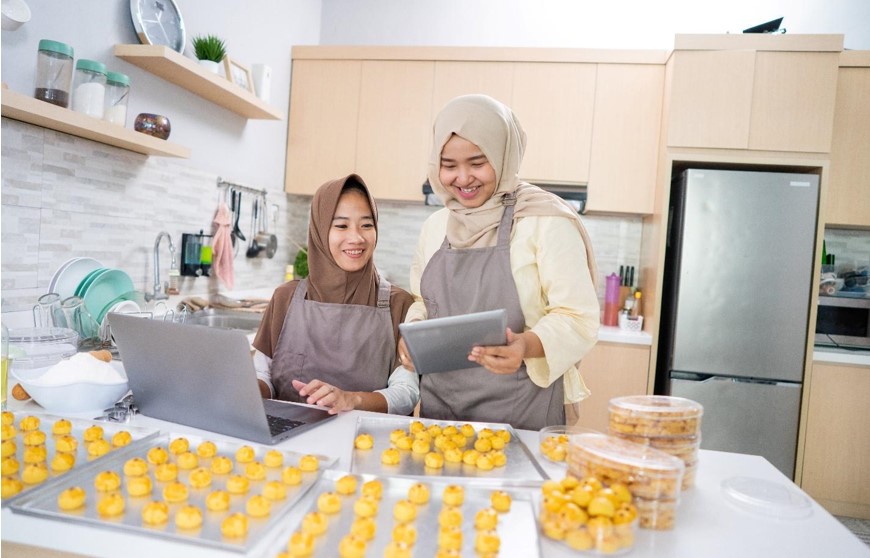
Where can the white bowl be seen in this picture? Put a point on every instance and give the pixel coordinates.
(73, 397)
(15, 13)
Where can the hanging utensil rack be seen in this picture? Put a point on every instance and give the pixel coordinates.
(221, 183)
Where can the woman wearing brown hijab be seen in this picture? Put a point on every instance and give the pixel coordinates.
(330, 339)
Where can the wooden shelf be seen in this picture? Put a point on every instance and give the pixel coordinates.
(184, 72)
(33, 111)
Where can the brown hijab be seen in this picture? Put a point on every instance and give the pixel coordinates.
(327, 282)
(494, 128)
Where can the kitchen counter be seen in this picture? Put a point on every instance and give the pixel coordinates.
(841, 356)
(610, 334)
(707, 525)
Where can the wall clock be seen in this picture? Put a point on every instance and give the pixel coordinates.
(158, 22)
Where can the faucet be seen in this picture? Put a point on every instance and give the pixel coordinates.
(159, 292)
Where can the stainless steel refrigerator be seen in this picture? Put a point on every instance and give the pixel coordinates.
(736, 302)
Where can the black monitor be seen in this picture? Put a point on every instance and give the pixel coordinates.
(771, 26)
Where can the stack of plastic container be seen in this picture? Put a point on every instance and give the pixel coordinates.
(669, 424)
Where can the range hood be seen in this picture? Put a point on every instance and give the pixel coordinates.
(574, 194)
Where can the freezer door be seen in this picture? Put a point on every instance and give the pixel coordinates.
(746, 417)
(745, 273)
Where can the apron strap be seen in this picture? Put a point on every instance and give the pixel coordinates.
(301, 291)
(383, 293)
(504, 228)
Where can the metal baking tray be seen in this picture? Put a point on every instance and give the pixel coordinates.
(209, 534)
(82, 459)
(517, 529)
(521, 469)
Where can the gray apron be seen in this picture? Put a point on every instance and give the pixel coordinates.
(350, 346)
(461, 281)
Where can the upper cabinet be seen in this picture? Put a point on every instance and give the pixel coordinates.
(849, 184)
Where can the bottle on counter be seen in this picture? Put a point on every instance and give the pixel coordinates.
(611, 300)
(635, 308)
(89, 88)
(117, 95)
(54, 72)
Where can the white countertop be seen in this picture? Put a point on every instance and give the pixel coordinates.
(707, 525)
(841, 356)
(612, 334)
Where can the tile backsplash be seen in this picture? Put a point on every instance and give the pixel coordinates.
(64, 196)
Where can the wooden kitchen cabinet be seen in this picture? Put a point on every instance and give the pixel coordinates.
(611, 370)
(454, 78)
(322, 135)
(836, 466)
(625, 138)
(849, 178)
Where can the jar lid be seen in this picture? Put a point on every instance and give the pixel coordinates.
(767, 498)
(119, 78)
(55, 46)
(656, 406)
(91, 65)
(627, 455)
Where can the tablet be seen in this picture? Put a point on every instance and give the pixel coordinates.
(443, 344)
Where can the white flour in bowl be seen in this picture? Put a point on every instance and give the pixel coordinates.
(81, 367)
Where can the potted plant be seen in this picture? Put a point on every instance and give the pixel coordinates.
(210, 50)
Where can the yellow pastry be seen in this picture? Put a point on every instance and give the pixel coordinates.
(467, 430)
(453, 495)
(245, 454)
(483, 445)
(390, 456)
(484, 462)
(487, 542)
(29, 423)
(314, 523)
(498, 457)
(434, 430)
(35, 454)
(235, 526)
(373, 489)
(300, 544)
(175, 492)
(404, 511)
(416, 426)
(346, 485)
(450, 516)
(135, 467)
(7, 432)
(405, 533)
(486, 433)
(397, 550)
(218, 500)
(396, 434)
(155, 513)
(404, 442)
(158, 455)
(486, 519)
(61, 427)
(121, 439)
(187, 460)
(450, 538)
(92, 433)
(71, 499)
(8, 418)
(111, 505)
(139, 486)
(9, 447)
(365, 507)
(107, 481)
(166, 472)
(237, 484)
(273, 458)
(63, 462)
(579, 539)
(34, 473)
(453, 455)
(505, 435)
(418, 493)
(364, 442)
(420, 446)
(199, 477)
(364, 528)
(352, 546)
(434, 460)
(275, 491)
(33, 438)
(309, 463)
(258, 506)
(497, 442)
(221, 465)
(66, 443)
(188, 517)
(440, 440)
(469, 457)
(10, 487)
(206, 449)
(179, 445)
(500, 500)
(291, 476)
(329, 503)
(9, 466)
(255, 470)
(450, 430)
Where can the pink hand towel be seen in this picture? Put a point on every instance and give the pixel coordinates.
(222, 264)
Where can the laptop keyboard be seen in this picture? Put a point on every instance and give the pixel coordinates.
(279, 425)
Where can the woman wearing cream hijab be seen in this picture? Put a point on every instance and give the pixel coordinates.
(502, 243)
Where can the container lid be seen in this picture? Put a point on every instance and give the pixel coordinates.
(55, 46)
(615, 451)
(657, 406)
(91, 65)
(43, 346)
(767, 498)
(119, 78)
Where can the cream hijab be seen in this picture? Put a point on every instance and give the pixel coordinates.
(494, 128)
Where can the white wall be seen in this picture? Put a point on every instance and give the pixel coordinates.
(579, 23)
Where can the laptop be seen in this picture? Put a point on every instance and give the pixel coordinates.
(204, 377)
(443, 344)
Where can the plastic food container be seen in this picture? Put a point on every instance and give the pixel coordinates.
(766, 498)
(54, 71)
(656, 514)
(41, 347)
(117, 95)
(553, 441)
(686, 448)
(89, 88)
(655, 415)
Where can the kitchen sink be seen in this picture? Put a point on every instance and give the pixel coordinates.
(225, 319)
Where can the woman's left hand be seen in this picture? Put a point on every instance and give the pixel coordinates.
(501, 359)
(326, 395)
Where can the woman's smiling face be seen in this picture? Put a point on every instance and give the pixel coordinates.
(352, 235)
(466, 172)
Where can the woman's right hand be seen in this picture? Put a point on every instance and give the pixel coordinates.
(405, 356)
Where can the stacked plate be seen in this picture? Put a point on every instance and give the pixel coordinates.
(100, 288)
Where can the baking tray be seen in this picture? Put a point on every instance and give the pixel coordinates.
(209, 534)
(82, 459)
(521, 469)
(517, 529)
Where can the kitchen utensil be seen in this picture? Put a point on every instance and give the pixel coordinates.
(237, 212)
(46, 311)
(268, 242)
(254, 247)
(73, 396)
(272, 240)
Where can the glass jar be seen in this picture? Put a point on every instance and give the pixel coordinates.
(89, 88)
(117, 95)
(54, 71)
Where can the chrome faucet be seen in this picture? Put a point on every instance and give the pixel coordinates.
(159, 291)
